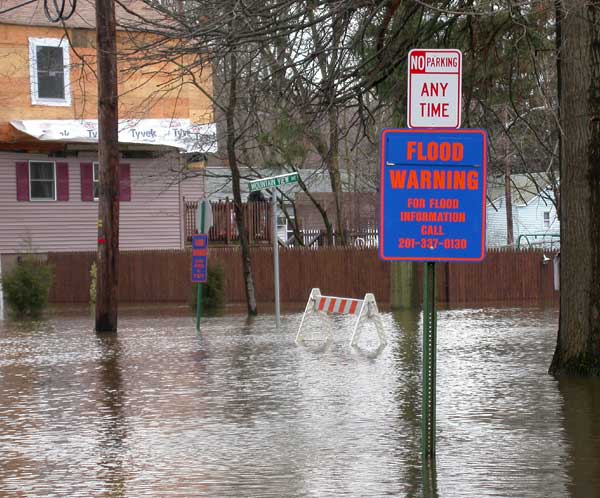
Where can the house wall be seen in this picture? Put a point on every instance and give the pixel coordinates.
(151, 220)
(531, 218)
(142, 93)
(192, 188)
(496, 224)
(527, 219)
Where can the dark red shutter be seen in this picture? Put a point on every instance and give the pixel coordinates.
(87, 181)
(125, 182)
(23, 181)
(62, 181)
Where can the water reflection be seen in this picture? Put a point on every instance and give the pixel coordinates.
(240, 410)
(430, 489)
(112, 424)
(581, 411)
(407, 356)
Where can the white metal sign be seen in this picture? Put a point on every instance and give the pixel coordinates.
(434, 88)
(204, 216)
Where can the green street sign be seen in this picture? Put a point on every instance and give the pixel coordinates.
(273, 181)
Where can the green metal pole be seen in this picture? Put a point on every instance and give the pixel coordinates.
(199, 293)
(433, 356)
(198, 306)
(425, 392)
(429, 362)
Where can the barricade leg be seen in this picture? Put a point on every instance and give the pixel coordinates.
(369, 311)
(311, 307)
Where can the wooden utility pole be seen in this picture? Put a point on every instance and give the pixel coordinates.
(510, 237)
(107, 260)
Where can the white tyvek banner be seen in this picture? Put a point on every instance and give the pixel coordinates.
(179, 133)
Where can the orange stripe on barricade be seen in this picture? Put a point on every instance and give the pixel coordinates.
(342, 306)
(353, 307)
(322, 302)
(331, 305)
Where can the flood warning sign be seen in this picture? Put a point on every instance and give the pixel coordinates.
(432, 195)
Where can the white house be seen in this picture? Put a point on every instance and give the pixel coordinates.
(535, 221)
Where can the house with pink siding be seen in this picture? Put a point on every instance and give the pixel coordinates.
(48, 139)
(50, 203)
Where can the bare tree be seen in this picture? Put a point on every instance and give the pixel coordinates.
(334, 73)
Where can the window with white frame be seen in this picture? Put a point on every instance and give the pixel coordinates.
(546, 219)
(49, 71)
(42, 181)
(96, 181)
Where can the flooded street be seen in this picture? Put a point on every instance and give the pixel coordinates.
(239, 410)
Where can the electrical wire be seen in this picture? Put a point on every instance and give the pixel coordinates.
(14, 7)
(60, 11)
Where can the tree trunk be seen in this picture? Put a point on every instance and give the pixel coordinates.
(333, 165)
(578, 344)
(107, 260)
(235, 182)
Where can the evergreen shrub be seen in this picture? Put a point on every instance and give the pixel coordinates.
(213, 291)
(27, 285)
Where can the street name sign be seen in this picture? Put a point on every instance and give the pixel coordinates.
(273, 181)
(432, 195)
(434, 88)
(199, 258)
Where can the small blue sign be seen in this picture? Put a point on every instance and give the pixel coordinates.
(199, 258)
(432, 195)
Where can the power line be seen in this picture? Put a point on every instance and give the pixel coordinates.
(14, 7)
(60, 11)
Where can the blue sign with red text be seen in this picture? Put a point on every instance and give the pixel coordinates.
(199, 258)
(432, 195)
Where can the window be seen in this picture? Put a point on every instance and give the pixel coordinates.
(546, 219)
(90, 182)
(96, 181)
(284, 230)
(42, 181)
(49, 71)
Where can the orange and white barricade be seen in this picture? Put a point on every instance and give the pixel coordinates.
(364, 310)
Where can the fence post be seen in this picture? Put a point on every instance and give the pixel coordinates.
(251, 219)
(227, 221)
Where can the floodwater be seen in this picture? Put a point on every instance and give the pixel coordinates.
(240, 411)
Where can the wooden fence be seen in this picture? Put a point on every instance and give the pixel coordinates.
(506, 275)
(164, 276)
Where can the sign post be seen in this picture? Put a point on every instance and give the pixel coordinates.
(429, 361)
(275, 259)
(432, 208)
(262, 184)
(433, 188)
(204, 221)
